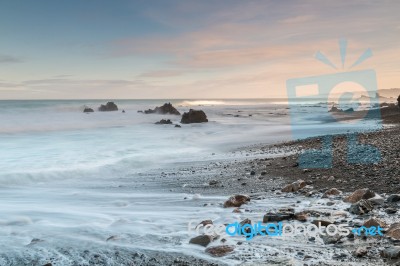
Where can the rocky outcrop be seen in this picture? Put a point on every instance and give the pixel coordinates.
(334, 109)
(167, 108)
(194, 116)
(164, 122)
(236, 201)
(88, 110)
(110, 106)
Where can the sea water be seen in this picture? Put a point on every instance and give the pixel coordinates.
(74, 181)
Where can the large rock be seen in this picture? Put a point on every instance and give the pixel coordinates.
(236, 201)
(219, 251)
(194, 116)
(277, 217)
(202, 240)
(295, 186)
(88, 110)
(359, 194)
(374, 222)
(361, 207)
(334, 109)
(391, 253)
(393, 198)
(110, 106)
(394, 231)
(164, 122)
(167, 108)
(331, 192)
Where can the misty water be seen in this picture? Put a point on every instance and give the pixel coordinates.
(70, 181)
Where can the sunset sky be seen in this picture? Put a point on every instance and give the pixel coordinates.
(105, 49)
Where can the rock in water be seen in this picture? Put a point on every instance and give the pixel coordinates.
(360, 252)
(236, 201)
(394, 231)
(220, 251)
(334, 109)
(88, 110)
(194, 116)
(361, 207)
(202, 240)
(167, 108)
(359, 194)
(331, 192)
(110, 106)
(164, 122)
(391, 253)
(295, 186)
(393, 198)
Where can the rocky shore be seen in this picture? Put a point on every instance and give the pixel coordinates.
(353, 194)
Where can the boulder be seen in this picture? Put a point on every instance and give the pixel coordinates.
(302, 217)
(360, 252)
(167, 108)
(331, 239)
(220, 251)
(194, 116)
(177, 125)
(319, 222)
(88, 110)
(331, 192)
(393, 198)
(280, 215)
(391, 252)
(202, 240)
(394, 231)
(334, 109)
(374, 222)
(164, 122)
(361, 207)
(110, 106)
(359, 194)
(205, 222)
(295, 186)
(236, 201)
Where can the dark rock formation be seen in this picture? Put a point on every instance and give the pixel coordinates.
(194, 116)
(219, 251)
(202, 240)
(110, 106)
(334, 109)
(358, 195)
(88, 110)
(167, 108)
(177, 125)
(236, 201)
(164, 122)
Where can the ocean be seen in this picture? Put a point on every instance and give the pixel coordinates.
(69, 180)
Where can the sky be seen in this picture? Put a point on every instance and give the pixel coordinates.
(158, 49)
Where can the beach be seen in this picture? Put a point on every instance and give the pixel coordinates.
(115, 188)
